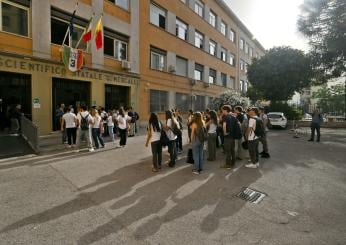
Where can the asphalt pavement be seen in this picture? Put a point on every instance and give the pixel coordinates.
(112, 197)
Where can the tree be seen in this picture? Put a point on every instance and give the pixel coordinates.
(331, 99)
(324, 23)
(279, 73)
(229, 97)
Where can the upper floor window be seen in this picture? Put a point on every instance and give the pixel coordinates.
(121, 3)
(232, 35)
(246, 48)
(232, 60)
(157, 16)
(241, 44)
(224, 79)
(223, 28)
(223, 54)
(212, 76)
(245, 66)
(199, 8)
(199, 39)
(212, 18)
(212, 47)
(115, 48)
(251, 52)
(181, 66)
(59, 26)
(158, 59)
(198, 74)
(15, 17)
(158, 100)
(242, 63)
(181, 29)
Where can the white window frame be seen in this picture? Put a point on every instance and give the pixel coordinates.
(242, 63)
(223, 28)
(232, 35)
(180, 25)
(232, 59)
(199, 8)
(212, 44)
(212, 18)
(160, 11)
(251, 52)
(241, 44)
(17, 6)
(211, 79)
(162, 61)
(223, 56)
(246, 48)
(117, 54)
(199, 36)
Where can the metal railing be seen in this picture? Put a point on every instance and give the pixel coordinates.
(30, 133)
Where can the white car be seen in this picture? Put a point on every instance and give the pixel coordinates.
(277, 119)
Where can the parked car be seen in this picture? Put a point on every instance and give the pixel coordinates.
(277, 119)
(307, 117)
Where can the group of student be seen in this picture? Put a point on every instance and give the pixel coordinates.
(233, 129)
(91, 126)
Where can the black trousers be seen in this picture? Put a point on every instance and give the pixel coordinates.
(315, 126)
(253, 150)
(156, 150)
(172, 150)
(180, 141)
(229, 146)
(123, 136)
(71, 135)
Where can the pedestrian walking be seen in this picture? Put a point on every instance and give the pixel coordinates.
(69, 121)
(252, 139)
(317, 119)
(153, 136)
(123, 122)
(211, 125)
(85, 121)
(198, 132)
(96, 129)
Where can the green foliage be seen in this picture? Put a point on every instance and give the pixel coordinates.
(291, 112)
(324, 23)
(331, 99)
(229, 97)
(279, 73)
(254, 94)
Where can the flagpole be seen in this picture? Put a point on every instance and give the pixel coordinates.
(68, 28)
(90, 23)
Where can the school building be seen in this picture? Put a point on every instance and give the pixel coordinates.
(156, 55)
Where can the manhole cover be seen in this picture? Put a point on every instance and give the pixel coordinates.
(251, 195)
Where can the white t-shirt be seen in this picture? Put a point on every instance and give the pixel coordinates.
(97, 121)
(212, 128)
(69, 119)
(155, 136)
(84, 114)
(252, 126)
(110, 121)
(122, 121)
(169, 132)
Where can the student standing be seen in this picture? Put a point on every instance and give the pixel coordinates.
(153, 136)
(69, 121)
(252, 139)
(122, 121)
(85, 121)
(172, 149)
(212, 127)
(110, 125)
(197, 140)
(96, 132)
(316, 125)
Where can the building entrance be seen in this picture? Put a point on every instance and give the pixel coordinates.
(116, 96)
(68, 92)
(14, 89)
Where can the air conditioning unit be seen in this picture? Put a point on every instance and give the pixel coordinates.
(126, 65)
(206, 85)
(171, 69)
(193, 82)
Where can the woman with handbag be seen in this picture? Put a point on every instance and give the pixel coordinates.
(153, 136)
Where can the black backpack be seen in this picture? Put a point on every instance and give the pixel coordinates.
(175, 128)
(84, 124)
(202, 134)
(259, 130)
(233, 127)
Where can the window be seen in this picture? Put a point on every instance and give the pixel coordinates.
(198, 72)
(199, 40)
(212, 18)
(158, 100)
(251, 52)
(224, 79)
(59, 26)
(115, 48)
(15, 17)
(181, 29)
(223, 54)
(241, 83)
(245, 86)
(121, 3)
(182, 101)
(232, 59)
(212, 76)
(157, 16)
(157, 59)
(223, 28)
(200, 103)
(199, 7)
(232, 35)
(241, 65)
(241, 44)
(232, 79)
(246, 48)
(181, 69)
(246, 66)
(212, 47)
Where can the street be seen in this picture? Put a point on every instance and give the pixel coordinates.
(112, 197)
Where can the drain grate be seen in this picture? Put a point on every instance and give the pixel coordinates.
(251, 195)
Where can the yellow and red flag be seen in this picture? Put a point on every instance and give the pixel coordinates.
(99, 34)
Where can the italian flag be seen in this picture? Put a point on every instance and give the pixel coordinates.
(87, 32)
(98, 34)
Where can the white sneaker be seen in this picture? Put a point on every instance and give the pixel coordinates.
(76, 150)
(91, 149)
(251, 165)
(257, 164)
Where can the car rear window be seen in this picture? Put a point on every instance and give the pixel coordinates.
(274, 116)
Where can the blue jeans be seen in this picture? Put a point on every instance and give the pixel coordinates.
(111, 133)
(97, 138)
(197, 152)
(172, 149)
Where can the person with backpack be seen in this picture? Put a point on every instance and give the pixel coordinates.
(253, 132)
(263, 116)
(172, 148)
(153, 136)
(232, 132)
(243, 125)
(122, 122)
(198, 137)
(212, 127)
(85, 121)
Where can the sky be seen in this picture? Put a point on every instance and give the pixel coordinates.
(272, 22)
